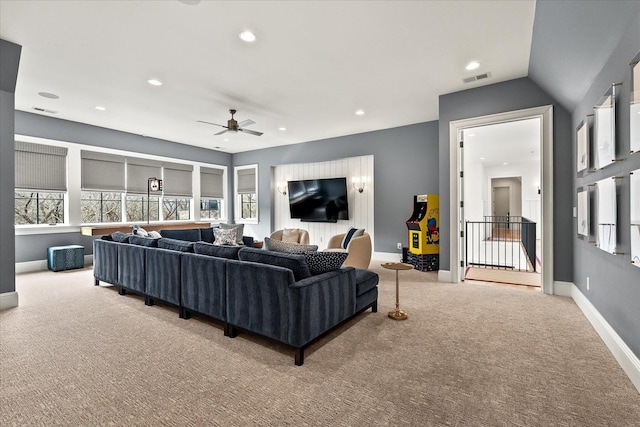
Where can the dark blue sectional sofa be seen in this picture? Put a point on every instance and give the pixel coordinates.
(269, 293)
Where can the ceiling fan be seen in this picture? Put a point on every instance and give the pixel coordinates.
(234, 126)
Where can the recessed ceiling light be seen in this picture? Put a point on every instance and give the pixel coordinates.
(505, 163)
(226, 140)
(100, 108)
(48, 95)
(247, 36)
(472, 65)
(482, 158)
(360, 113)
(154, 82)
(282, 128)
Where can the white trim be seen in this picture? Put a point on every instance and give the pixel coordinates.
(41, 265)
(8, 300)
(562, 289)
(627, 360)
(545, 113)
(387, 256)
(444, 276)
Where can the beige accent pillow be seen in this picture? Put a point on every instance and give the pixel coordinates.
(291, 235)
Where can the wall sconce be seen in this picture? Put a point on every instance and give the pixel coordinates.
(359, 186)
(282, 189)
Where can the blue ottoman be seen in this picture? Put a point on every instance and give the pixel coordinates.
(65, 257)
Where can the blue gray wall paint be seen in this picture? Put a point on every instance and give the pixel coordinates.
(9, 62)
(405, 164)
(503, 97)
(614, 281)
(34, 247)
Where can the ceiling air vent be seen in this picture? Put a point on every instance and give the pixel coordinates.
(44, 110)
(476, 78)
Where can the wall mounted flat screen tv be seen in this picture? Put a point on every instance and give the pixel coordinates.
(319, 200)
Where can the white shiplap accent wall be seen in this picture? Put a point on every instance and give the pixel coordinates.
(355, 169)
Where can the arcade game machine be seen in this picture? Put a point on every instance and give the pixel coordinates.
(424, 233)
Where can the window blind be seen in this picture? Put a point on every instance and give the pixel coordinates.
(211, 185)
(138, 173)
(40, 167)
(246, 181)
(177, 180)
(102, 172)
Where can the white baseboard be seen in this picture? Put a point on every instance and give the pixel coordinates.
(562, 289)
(444, 276)
(8, 300)
(387, 256)
(41, 265)
(627, 360)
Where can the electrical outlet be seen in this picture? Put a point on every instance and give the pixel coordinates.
(587, 282)
(399, 246)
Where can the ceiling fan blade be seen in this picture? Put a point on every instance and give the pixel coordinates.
(221, 132)
(245, 123)
(252, 132)
(209, 123)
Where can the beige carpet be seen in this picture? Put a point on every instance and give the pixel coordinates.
(77, 355)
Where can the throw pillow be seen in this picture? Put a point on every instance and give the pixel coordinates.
(139, 231)
(175, 245)
(154, 235)
(239, 232)
(351, 234)
(121, 237)
(321, 262)
(292, 248)
(291, 235)
(223, 236)
(229, 252)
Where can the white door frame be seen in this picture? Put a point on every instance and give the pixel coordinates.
(545, 113)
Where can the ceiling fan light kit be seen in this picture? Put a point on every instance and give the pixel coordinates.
(234, 126)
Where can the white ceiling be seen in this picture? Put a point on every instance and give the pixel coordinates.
(313, 65)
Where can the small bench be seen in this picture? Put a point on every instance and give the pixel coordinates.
(65, 257)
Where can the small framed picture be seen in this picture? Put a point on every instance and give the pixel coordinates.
(582, 146)
(155, 184)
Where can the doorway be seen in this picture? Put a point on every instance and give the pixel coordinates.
(461, 198)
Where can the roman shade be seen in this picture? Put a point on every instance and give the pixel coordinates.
(102, 172)
(211, 183)
(40, 167)
(138, 173)
(246, 181)
(177, 180)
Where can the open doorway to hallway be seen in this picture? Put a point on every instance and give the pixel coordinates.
(502, 216)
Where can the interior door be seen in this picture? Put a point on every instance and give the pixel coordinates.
(501, 201)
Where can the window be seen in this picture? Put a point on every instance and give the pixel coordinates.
(40, 183)
(210, 208)
(98, 206)
(39, 208)
(211, 193)
(246, 195)
(174, 209)
(137, 206)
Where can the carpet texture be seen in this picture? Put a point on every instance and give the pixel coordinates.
(477, 355)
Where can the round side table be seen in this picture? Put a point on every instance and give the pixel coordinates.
(397, 314)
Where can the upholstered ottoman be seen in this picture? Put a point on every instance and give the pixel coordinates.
(65, 257)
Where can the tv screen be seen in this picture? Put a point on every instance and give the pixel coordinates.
(319, 200)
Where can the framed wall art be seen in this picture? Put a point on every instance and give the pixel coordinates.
(634, 177)
(582, 146)
(583, 213)
(605, 128)
(607, 214)
(634, 114)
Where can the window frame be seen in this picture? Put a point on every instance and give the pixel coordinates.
(237, 210)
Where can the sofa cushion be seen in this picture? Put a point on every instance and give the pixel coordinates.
(321, 262)
(294, 262)
(206, 235)
(120, 237)
(144, 241)
(223, 236)
(239, 231)
(365, 281)
(292, 248)
(175, 245)
(229, 252)
(351, 234)
(189, 235)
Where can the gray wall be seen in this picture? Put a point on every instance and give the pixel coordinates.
(9, 61)
(405, 164)
(499, 98)
(34, 247)
(614, 281)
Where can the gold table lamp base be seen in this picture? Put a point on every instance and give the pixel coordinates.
(398, 315)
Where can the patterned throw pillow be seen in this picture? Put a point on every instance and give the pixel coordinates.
(223, 236)
(291, 235)
(351, 234)
(239, 231)
(321, 262)
(292, 248)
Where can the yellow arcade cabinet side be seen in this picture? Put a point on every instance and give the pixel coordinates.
(424, 233)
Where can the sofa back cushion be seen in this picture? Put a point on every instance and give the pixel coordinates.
(189, 235)
(175, 245)
(206, 235)
(144, 241)
(294, 262)
(120, 237)
(229, 252)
